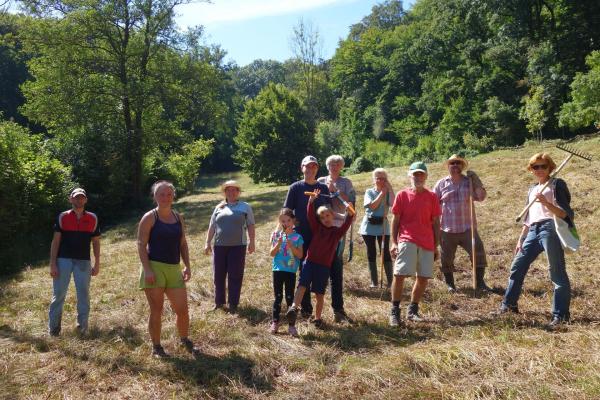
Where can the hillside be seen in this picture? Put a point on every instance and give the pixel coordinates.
(460, 352)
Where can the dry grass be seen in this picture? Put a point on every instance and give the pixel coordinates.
(460, 353)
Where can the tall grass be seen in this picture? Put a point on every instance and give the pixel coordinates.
(460, 352)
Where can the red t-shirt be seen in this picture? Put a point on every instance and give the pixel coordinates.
(416, 212)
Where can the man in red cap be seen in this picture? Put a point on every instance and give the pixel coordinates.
(70, 255)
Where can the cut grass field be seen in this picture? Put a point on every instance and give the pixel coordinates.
(460, 352)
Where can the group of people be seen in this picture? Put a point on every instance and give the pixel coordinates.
(310, 237)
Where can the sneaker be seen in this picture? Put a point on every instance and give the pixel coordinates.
(557, 322)
(341, 316)
(451, 288)
(293, 331)
(159, 352)
(319, 324)
(189, 346)
(395, 316)
(291, 315)
(218, 307)
(81, 330)
(504, 309)
(412, 312)
(274, 327)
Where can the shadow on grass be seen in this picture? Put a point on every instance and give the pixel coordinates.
(125, 334)
(252, 314)
(363, 336)
(213, 374)
(210, 371)
(374, 294)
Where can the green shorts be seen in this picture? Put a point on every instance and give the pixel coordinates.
(168, 276)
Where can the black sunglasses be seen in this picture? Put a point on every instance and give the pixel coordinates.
(539, 166)
(455, 163)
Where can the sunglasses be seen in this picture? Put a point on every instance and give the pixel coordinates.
(539, 166)
(455, 163)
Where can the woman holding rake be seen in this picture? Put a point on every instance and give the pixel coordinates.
(539, 234)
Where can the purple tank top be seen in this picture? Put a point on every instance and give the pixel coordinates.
(165, 241)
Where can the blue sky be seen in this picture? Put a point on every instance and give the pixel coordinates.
(253, 29)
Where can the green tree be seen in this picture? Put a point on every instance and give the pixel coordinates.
(584, 108)
(99, 69)
(272, 136)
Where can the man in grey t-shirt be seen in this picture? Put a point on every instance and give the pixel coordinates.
(337, 183)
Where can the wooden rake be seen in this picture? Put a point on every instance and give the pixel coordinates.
(572, 152)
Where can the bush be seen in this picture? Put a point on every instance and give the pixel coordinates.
(381, 153)
(35, 187)
(361, 164)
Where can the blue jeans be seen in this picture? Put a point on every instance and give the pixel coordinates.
(541, 237)
(81, 270)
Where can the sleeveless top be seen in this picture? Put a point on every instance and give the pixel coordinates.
(165, 240)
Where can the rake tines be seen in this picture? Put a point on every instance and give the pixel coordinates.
(574, 151)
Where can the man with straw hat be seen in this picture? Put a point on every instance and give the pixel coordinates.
(456, 192)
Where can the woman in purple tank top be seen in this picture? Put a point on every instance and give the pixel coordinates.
(161, 245)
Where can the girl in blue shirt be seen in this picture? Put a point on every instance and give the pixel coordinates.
(286, 250)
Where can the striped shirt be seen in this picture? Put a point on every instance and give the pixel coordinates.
(454, 198)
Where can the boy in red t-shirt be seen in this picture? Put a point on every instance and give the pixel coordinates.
(415, 239)
(319, 256)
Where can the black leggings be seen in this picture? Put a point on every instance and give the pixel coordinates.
(372, 250)
(281, 278)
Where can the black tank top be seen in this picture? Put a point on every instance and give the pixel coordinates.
(165, 240)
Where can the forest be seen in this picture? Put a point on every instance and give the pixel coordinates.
(112, 95)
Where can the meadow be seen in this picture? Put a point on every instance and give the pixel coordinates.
(461, 351)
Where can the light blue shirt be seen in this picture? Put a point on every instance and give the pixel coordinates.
(369, 229)
(284, 260)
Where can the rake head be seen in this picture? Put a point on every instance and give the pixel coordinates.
(575, 152)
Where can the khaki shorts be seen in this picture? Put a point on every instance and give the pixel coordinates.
(168, 276)
(413, 260)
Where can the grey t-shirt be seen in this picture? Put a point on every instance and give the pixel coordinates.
(231, 222)
(342, 185)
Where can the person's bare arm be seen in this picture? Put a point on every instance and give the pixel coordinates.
(185, 252)
(209, 238)
(54, 254)
(251, 237)
(276, 246)
(298, 252)
(96, 249)
(436, 237)
(559, 212)
(394, 238)
(521, 238)
(143, 236)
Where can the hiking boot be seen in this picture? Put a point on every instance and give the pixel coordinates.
(274, 327)
(81, 330)
(395, 316)
(233, 309)
(341, 316)
(412, 313)
(159, 352)
(291, 315)
(293, 331)
(189, 346)
(218, 307)
(319, 324)
(54, 332)
(481, 286)
(449, 279)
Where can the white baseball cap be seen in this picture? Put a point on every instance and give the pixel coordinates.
(308, 160)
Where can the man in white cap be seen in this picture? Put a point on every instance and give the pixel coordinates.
(455, 192)
(70, 255)
(297, 201)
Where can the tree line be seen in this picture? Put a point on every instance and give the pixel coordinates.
(111, 95)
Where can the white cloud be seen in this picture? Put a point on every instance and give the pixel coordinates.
(238, 10)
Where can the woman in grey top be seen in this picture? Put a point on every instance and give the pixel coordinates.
(377, 203)
(232, 227)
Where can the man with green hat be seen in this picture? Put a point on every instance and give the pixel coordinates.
(415, 239)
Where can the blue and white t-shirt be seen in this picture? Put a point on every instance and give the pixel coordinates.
(284, 260)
